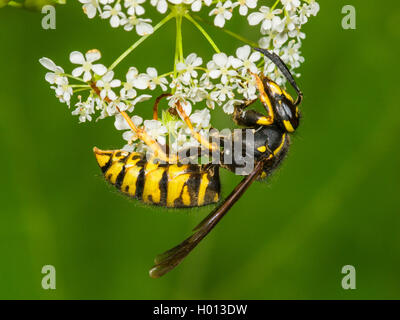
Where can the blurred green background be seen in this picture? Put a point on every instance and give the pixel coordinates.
(334, 202)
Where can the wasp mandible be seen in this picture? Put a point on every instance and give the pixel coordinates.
(177, 185)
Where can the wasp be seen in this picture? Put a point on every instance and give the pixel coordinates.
(176, 185)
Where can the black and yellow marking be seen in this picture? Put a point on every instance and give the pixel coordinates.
(262, 149)
(168, 185)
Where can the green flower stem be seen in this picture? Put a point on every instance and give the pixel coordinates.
(231, 33)
(79, 86)
(179, 37)
(240, 38)
(137, 43)
(166, 74)
(82, 89)
(176, 57)
(72, 77)
(275, 4)
(201, 68)
(205, 34)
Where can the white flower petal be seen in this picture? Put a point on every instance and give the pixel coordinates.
(143, 29)
(220, 59)
(196, 6)
(243, 10)
(214, 74)
(48, 63)
(114, 21)
(243, 52)
(255, 18)
(76, 57)
(152, 72)
(77, 71)
(137, 121)
(108, 76)
(93, 55)
(99, 69)
(128, 136)
(90, 11)
(255, 56)
(111, 94)
(115, 83)
(227, 15)
(236, 63)
(140, 83)
(141, 98)
(219, 20)
(162, 6)
(132, 73)
(87, 76)
(180, 66)
(50, 77)
(251, 3)
(120, 122)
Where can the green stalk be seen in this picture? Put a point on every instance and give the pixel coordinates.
(137, 43)
(166, 74)
(79, 86)
(179, 37)
(81, 89)
(240, 38)
(178, 45)
(231, 33)
(275, 4)
(205, 34)
(72, 77)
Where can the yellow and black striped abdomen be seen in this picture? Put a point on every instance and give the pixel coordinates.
(168, 185)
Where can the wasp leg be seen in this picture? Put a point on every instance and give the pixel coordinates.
(156, 103)
(249, 118)
(200, 139)
(248, 103)
(140, 133)
(149, 141)
(265, 99)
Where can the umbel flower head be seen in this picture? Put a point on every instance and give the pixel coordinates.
(193, 85)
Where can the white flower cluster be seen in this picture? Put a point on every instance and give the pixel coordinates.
(280, 24)
(280, 27)
(130, 15)
(224, 81)
(102, 85)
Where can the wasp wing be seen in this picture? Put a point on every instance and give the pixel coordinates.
(168, 260)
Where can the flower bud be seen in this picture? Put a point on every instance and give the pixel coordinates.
(37, 5)
(3, 3)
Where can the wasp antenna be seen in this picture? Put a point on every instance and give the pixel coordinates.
(285, 71)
